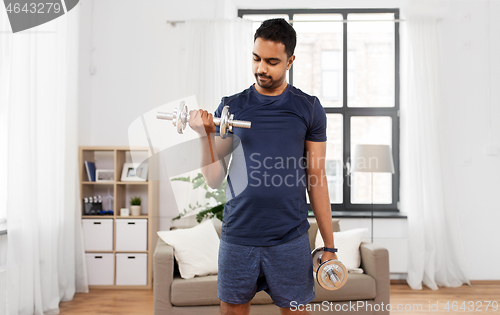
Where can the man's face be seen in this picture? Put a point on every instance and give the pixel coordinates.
(270, 63)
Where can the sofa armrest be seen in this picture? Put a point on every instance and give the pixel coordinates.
(163, 268)
(375, 263)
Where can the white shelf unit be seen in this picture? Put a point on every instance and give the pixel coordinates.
(114, 157)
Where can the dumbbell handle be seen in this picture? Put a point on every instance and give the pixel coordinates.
(166, 116)
(333, 276)
(232, 122)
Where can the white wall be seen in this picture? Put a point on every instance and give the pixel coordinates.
(136, 58)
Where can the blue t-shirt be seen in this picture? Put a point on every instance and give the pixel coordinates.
(266, 191)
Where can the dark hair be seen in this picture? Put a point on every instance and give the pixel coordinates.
(279, 31)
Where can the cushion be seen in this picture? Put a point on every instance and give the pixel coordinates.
(196, 249)
(347, 243)
(201, 291)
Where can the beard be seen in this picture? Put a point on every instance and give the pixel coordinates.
(267, 82)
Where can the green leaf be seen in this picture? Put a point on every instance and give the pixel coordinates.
(181, 214)
(199, 176)
(197, 183)
(201, 215)
(181, 179)
(135, 201)
(210, 213)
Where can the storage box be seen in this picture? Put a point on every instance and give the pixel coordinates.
(131, 269)
(98, 234)
(132, 235)
(100, 268)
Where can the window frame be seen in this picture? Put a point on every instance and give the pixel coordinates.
(348, 112)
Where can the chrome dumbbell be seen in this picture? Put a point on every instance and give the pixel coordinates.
(331, 274)
(180, 118)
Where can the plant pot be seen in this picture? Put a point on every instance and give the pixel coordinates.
(135, 210)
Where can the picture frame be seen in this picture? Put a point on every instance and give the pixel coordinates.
(133, 172)
(105, 175)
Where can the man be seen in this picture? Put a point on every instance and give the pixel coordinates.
(264, 241)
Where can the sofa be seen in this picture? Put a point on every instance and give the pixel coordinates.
(363, 293)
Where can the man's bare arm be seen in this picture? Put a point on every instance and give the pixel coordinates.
(215, 150)
(317, 188)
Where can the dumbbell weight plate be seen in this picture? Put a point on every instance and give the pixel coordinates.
(224, 122)
(316, 257)
(181, 117)
(324, 279)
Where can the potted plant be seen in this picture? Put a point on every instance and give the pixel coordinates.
(205, 211)
(135, 205)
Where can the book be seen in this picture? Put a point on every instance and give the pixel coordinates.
(90, 166)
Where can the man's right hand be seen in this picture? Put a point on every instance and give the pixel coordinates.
(201, 121)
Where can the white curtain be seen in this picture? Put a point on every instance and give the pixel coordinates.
(45, 257)
(437, 255)
(218, 59)
(217, 62)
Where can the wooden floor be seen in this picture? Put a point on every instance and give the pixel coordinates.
(471, 298)
(465, 299)
(123, 302)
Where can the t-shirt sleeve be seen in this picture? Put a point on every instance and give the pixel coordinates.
(317, 125)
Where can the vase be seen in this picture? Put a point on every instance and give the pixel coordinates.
(135, 210)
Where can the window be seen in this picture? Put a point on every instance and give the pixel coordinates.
(331, 71)
(349, 59)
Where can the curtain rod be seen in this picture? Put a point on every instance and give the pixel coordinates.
(173, 23)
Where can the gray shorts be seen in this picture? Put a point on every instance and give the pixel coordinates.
(284, 271)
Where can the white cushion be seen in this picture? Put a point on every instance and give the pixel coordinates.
(196, 249)
(347, 243)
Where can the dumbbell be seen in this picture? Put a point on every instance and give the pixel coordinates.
(331, 274)
(180, 118)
